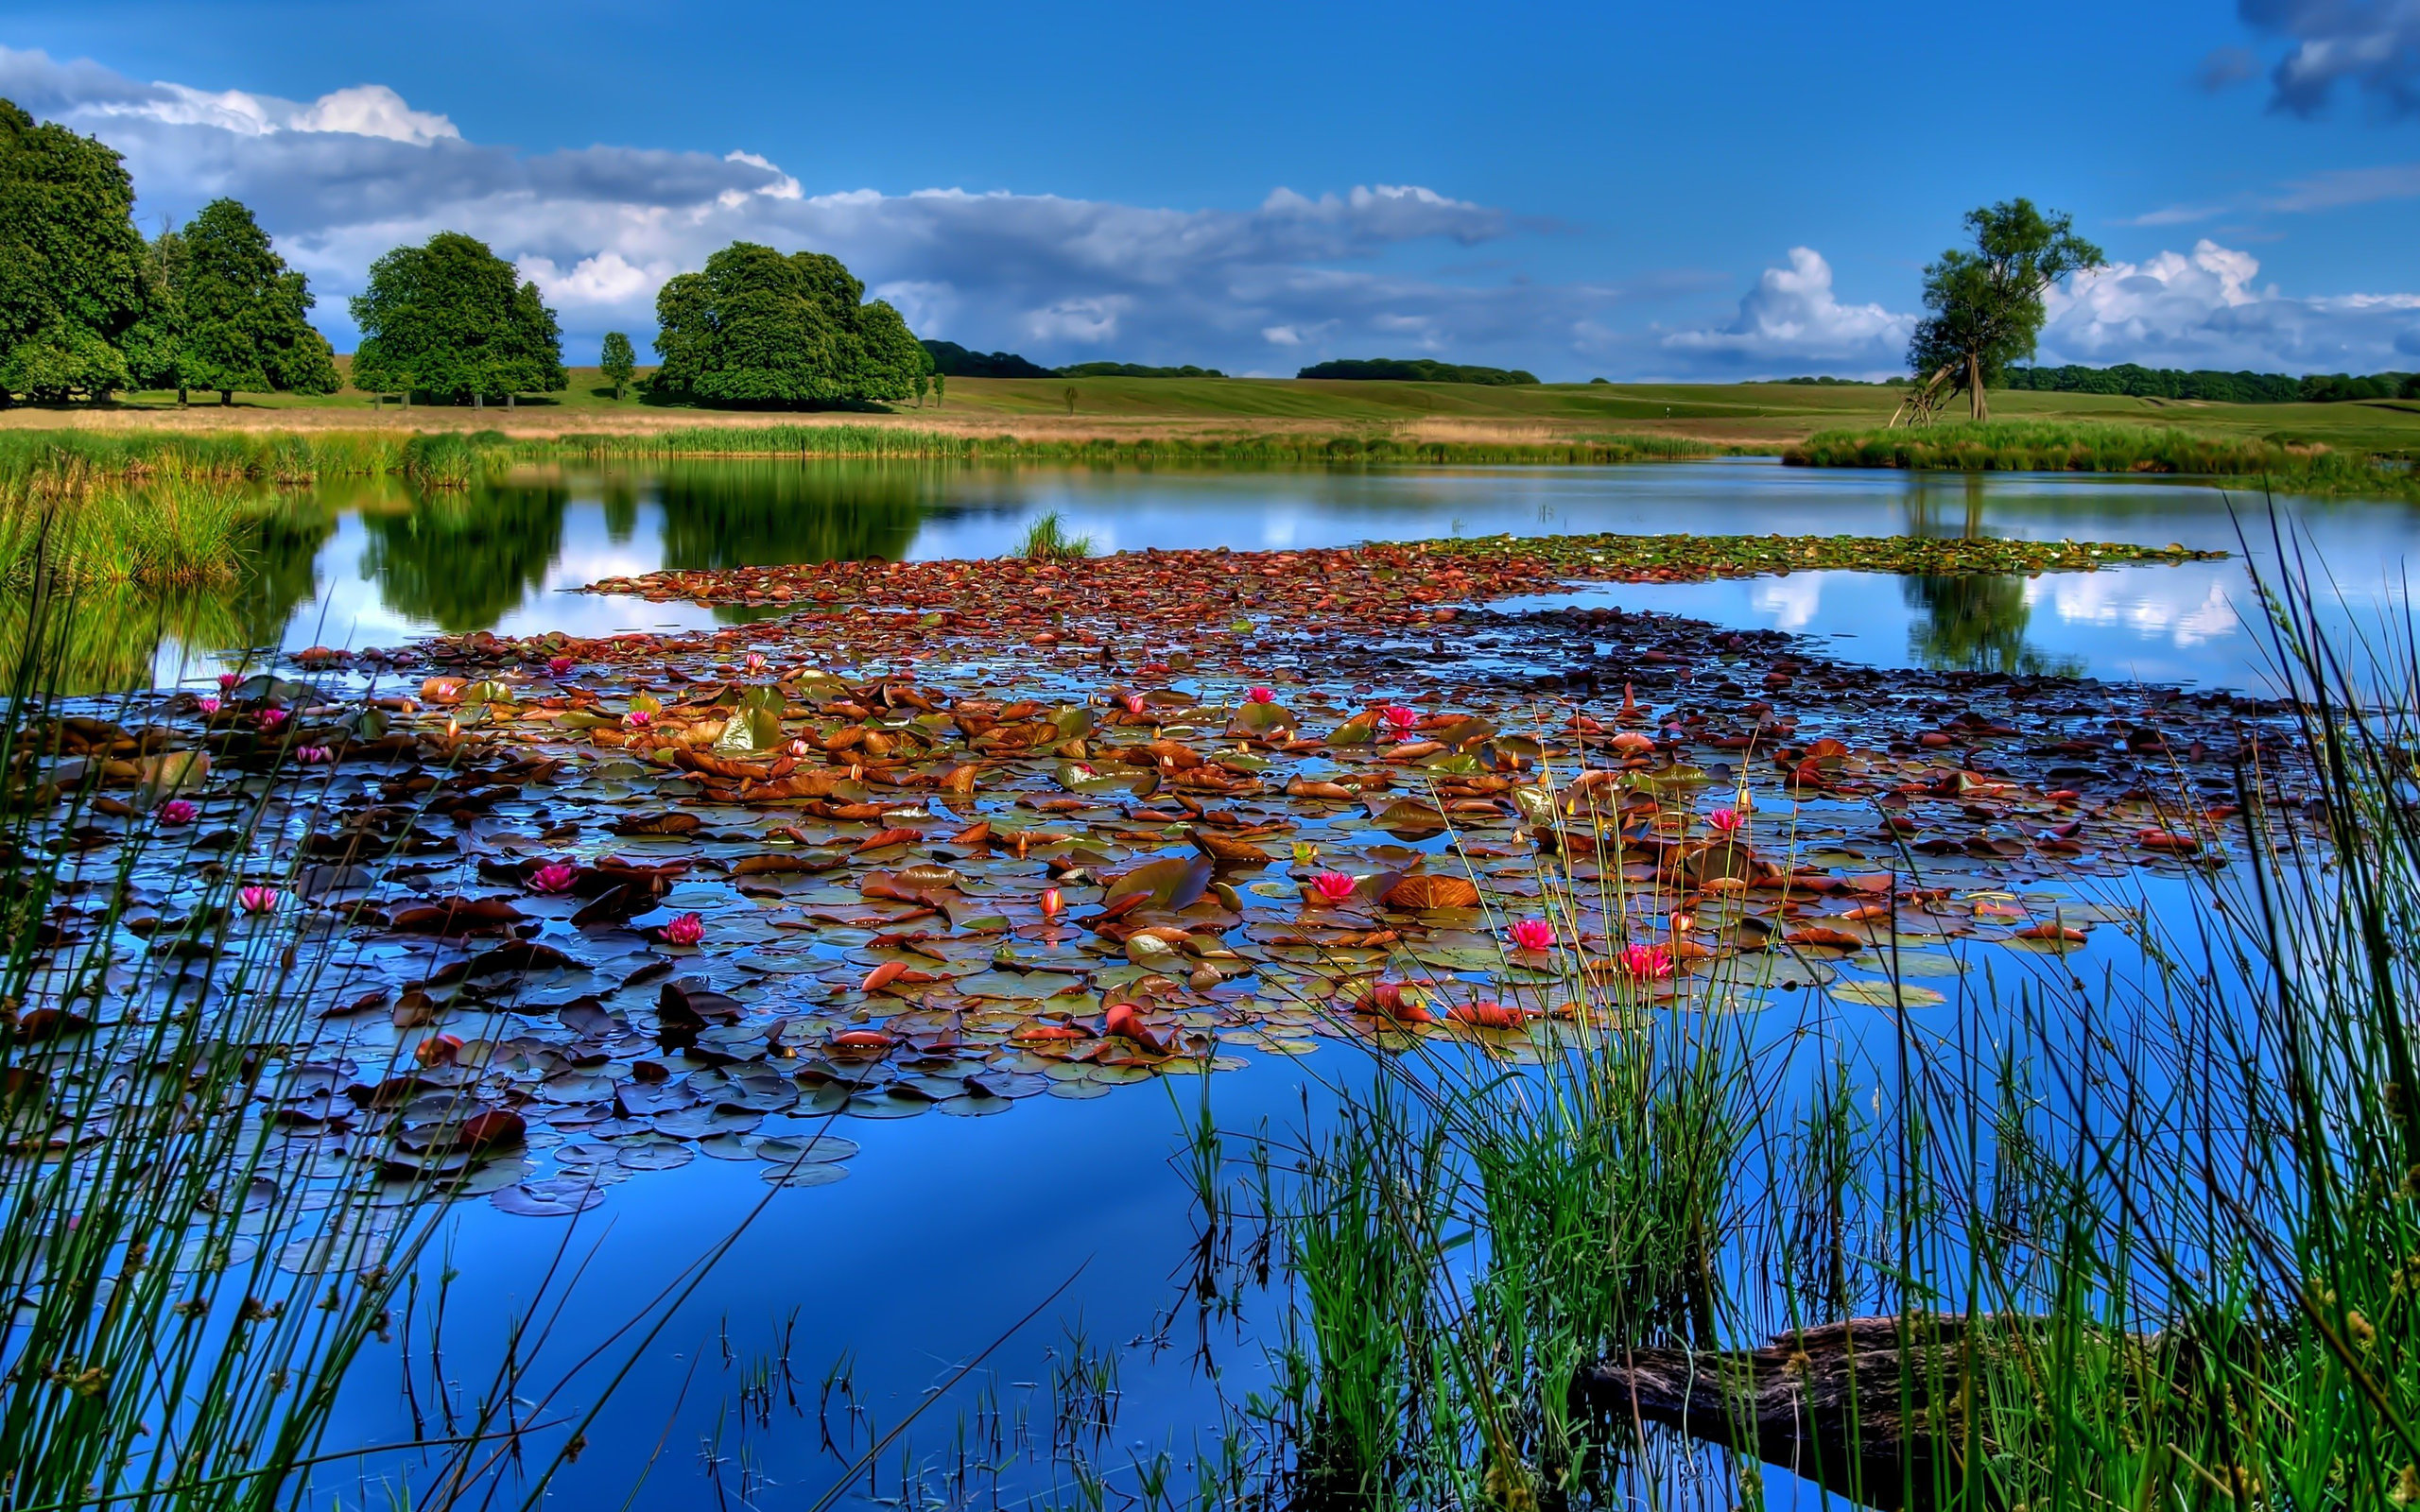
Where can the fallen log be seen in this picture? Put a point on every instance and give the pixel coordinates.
(1875, 1409)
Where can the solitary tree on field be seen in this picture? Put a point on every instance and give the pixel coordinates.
(228, 313)
(1986, 304)
(941, 390)
(618, 361)
(452, 318)
(1070, 397)
(755, 327)
(924, 382)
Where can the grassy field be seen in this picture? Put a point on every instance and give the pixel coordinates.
(1764, 417)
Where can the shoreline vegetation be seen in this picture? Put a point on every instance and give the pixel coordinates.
(456, 457)
(2036, 446)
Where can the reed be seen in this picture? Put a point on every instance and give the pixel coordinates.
(1046, 540)
(2144, 1240)
(83, 530)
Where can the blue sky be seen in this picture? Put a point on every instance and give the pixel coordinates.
(1637, 191)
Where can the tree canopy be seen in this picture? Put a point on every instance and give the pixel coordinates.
(1986, 304)
(616, 361)
(71, 261)
(1417, 369)
(756, 327)
(451, 319)
(226, 312)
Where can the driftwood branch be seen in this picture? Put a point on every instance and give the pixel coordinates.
(1875, 1409)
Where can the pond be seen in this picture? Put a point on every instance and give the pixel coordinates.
(357, 564)
(1057, 1245)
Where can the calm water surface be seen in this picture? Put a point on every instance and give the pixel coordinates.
(357, 565)
(947, 1232)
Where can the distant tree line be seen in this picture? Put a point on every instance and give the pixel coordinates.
(1417, 369)
(950, 360)
(2227, 387)
(1133, 369)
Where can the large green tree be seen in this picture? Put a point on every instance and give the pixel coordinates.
(1986, 304)
(758, 328)
(228, 313)
(71, 262)
(453, 319)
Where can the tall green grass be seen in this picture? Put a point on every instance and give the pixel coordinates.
(848, 440)
(81, 529)
(2141, 1241)
(2057, 446)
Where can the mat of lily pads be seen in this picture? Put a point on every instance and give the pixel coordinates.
(950, 837)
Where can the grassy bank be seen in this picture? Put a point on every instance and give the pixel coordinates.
(1761, 416)
(448, 457)
(2048, 446)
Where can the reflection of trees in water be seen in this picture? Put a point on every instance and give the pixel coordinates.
(464, 560)
(620, 497)
(106, 639)
(280, 573)
(1976, 621)
(1971, 622)
(754, 514)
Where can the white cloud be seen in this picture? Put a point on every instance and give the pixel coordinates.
(2204, 309)
(343, 180)
(1791, 319)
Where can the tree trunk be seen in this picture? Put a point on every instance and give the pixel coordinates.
(509, 400)
(226, 397)
(478, 401)
(181, 399)
(1918, 392)
(1982, 409)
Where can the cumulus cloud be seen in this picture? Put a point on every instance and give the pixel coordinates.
(1792, 319)
(2205, 309)
(2370, 45)
(1293, 279)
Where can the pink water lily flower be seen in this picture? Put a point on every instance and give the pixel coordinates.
(1727, 820)
(756, 662)
(686, 930)
(177, 810)
(1334, 886)
(1649, 963)
(1399, 719)
(638, 719)
(208, 706)
(1261, 696)
(1133, 702)
(1051, 902)
(258, 899)
(313, 755)
(554, 877)
(1532, 935)
(271, 718)
(559, 665)
(227, 681)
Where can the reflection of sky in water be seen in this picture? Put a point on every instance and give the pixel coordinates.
(2176, 625)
